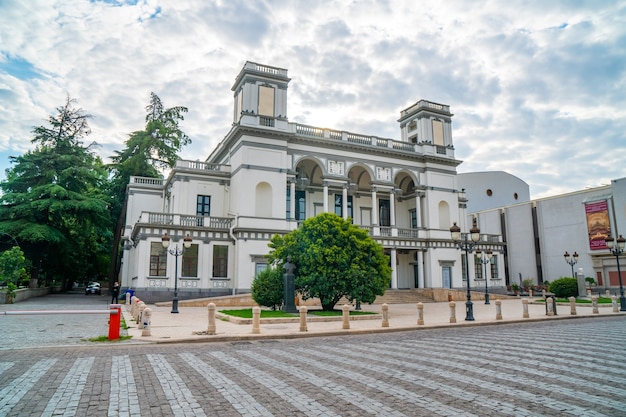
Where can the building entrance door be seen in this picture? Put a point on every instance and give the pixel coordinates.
(446, 277)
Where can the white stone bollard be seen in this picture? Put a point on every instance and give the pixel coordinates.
(345, 311)
(141, 308)
(452, 312)
(133, 305)
(498, 310)
(572, 305)
(256, 320)
(385, 310)
(303, 325)
(146, 322)
(607, 293)
(420, 314)
(594, 304)
(550, 304)
(211, 328)
(614, 302)
(525, 314)
(128, 300)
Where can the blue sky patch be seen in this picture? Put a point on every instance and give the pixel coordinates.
(18, 68)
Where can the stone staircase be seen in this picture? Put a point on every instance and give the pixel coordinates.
(408, 296)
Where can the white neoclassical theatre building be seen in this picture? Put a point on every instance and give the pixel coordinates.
(267, 175)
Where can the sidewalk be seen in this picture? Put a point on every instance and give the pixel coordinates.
(190, 324)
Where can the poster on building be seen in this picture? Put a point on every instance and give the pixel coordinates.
(598, 224)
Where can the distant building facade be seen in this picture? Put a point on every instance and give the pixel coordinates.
(537, 233)
(267, 175)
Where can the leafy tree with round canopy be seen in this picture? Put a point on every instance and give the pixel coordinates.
(333, 259)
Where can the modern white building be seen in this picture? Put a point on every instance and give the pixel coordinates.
(268, 174)
(537, 233)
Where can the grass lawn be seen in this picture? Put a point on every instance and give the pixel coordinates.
(246, 313)
(601, 300)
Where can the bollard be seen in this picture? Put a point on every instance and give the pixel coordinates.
(525, 314)
(128, 298)
(452, 312)
(543, 294)
(345, 311)
(614, 301)
(303, 311)
(115, 313)
(530, 292)
(572, 305)
(146, 321)
(498, 310)
(256, 320)
(140, 309)
(549, 306)
(211, 329)
(385, 309)
(594, 304)
(607, 294)
(420, 314)
(133, 305)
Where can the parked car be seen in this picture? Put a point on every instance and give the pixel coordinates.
(92, 288)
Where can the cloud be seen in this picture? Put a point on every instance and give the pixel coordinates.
(537, 88)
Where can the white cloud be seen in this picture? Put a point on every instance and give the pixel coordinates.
(537, 88)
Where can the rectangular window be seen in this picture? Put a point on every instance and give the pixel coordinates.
(220, 261)
(288, 201)
(259, 268)
(438, 133)
(339, 205)
(190, 262)
(158, 260)
(478, 268)
(413, 218)
(203, 205)
(494, 267)
(384, 211)
(266, 101)
(301, 205)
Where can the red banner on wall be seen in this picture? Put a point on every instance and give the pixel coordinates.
(598, 224)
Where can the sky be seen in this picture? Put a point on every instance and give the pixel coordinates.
(537, 88)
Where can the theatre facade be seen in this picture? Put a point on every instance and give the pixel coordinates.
(267, 175)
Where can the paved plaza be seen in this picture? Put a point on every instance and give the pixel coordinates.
(526, 368)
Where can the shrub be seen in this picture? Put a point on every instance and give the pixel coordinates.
(267, 288)
(564, 287)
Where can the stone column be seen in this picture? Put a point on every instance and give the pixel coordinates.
(325, 197)
(394, 269)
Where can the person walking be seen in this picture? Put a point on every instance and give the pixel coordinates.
(115, 292)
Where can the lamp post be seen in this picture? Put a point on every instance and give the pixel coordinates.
(485, 259)
(165, 241)
(466, 245)
(617, 248)
(571, 260)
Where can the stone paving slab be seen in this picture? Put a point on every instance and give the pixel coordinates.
(191, 323)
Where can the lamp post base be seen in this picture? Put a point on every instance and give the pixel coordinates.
(487, 298)
(622, 303)
(175, 304)
(469, 311)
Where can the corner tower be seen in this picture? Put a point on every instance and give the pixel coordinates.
(429, 123)
(261, 90)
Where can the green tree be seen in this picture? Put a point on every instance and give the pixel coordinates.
(53, 202)
(267, 288)
(146, 152)
(334, 259)
(13, 266)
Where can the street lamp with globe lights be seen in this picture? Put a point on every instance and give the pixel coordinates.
(571, 260)
(165, 241)
(467, 246)
(617, 248)
(485, 259)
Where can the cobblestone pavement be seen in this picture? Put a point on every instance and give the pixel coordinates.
(23, 331)
(552, 368)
